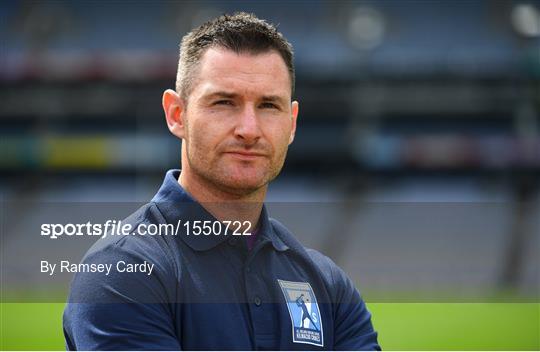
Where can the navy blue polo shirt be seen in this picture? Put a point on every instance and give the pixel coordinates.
(210, 292)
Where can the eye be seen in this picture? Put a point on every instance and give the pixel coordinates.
(223, 102)
(268, 105)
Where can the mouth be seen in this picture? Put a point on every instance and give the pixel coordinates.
(245, 155)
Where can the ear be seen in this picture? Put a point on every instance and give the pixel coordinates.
(294, 116)
(173, 106)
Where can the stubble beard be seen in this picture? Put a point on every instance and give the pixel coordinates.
(218, 177)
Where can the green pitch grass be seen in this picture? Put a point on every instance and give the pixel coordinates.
(401, 326)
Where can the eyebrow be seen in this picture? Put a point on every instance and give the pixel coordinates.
(220, 94)
(274, 98)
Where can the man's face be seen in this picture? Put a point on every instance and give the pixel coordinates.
(239, 119)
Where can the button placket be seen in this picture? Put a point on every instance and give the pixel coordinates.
(261, 315)
(250, 283)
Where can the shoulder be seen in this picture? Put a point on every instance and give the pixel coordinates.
(334, 277)
(137, 243)
(138, 267)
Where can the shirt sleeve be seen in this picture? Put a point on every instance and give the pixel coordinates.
(352, 324)
(121, 310)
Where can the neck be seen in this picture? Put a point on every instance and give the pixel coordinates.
(222, 204)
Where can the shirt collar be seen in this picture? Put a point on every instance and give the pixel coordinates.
(176, 204)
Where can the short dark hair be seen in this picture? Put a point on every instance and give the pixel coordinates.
(241, 33)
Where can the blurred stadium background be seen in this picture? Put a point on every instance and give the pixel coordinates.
(415, 167)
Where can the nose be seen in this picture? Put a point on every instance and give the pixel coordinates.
(247, 127)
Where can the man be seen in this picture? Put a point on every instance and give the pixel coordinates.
(217, 290)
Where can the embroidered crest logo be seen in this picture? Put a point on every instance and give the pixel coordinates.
(304, 312)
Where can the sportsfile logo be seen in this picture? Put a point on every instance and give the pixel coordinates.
(118, 228)
(304, 312)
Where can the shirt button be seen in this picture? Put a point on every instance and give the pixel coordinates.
(257, 301)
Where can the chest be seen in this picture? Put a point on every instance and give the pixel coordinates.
(267, 301)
